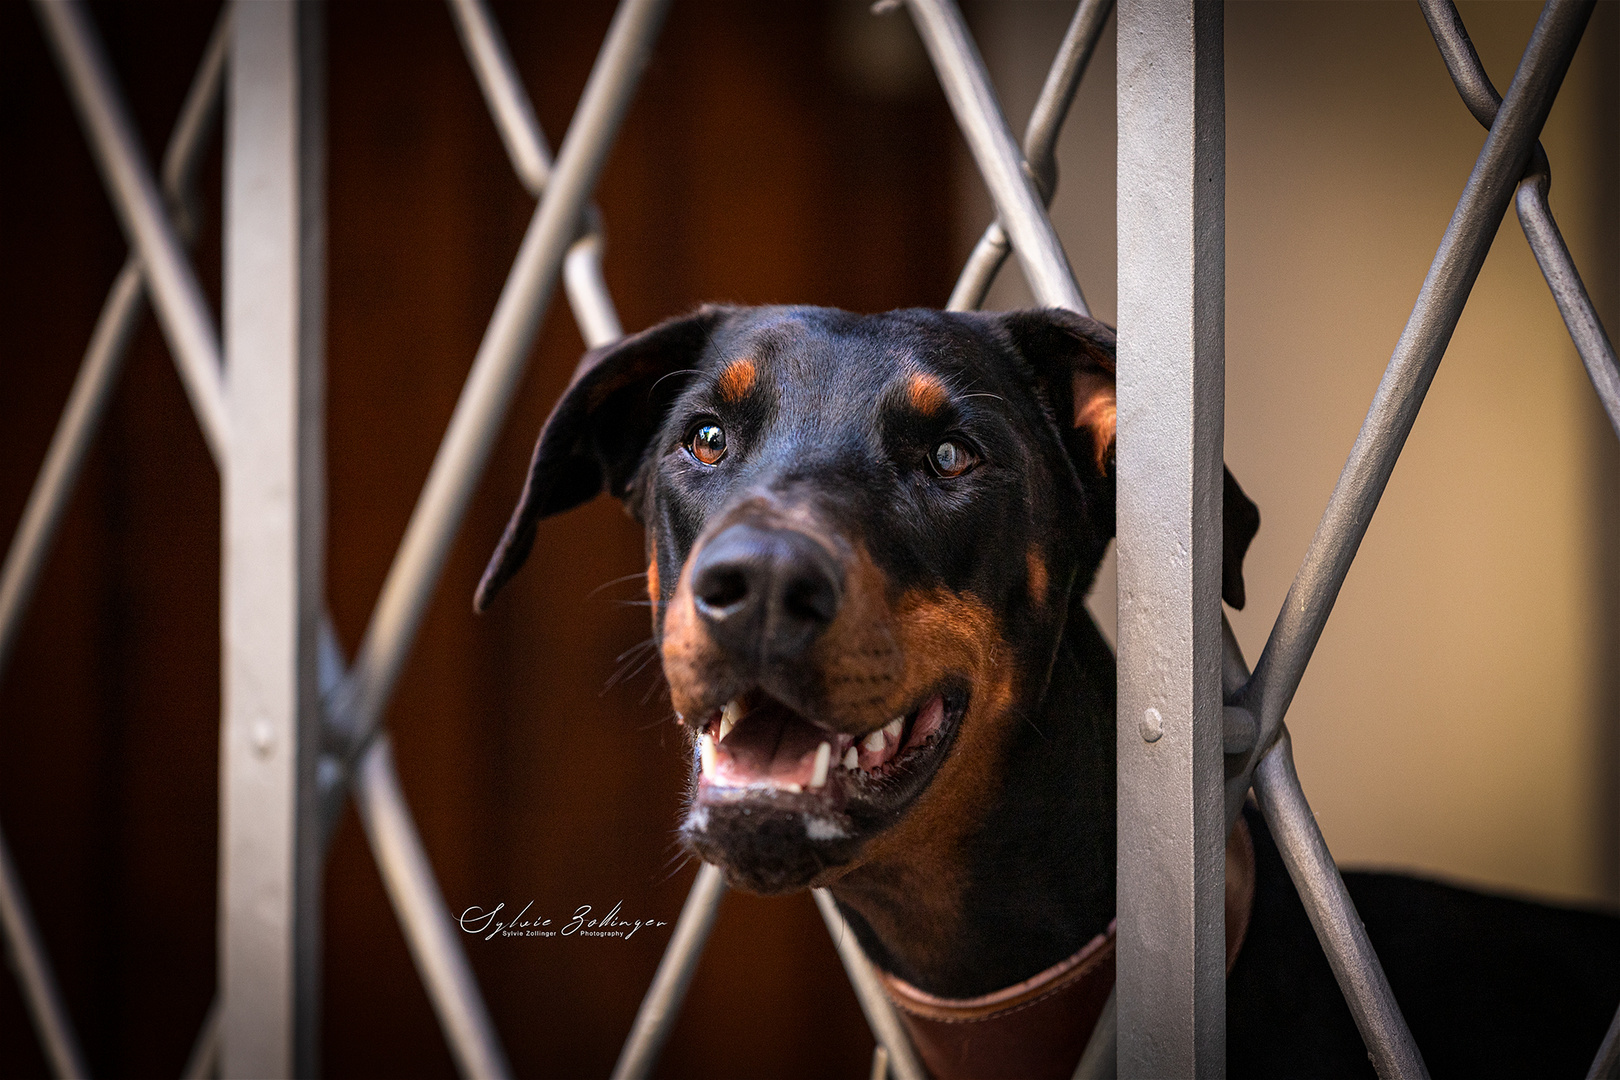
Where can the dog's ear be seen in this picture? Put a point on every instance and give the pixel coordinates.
(1240, 520)
(1073, 359)
(597, 433)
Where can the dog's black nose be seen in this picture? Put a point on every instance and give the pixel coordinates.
(766, 594)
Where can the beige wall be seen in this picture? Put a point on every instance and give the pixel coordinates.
(1459, 715)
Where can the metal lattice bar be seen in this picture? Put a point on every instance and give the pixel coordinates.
(1019, 206)
(407, 874)
(497, 367)
(525, 146)
(1040, 147)
(424, 918)
(1606, 1065)
(659, 1007)
(177, 299)
(1322, 891)
(109, 343)
(26, 951)
(1171, 966)
(1507, 151)
(1580, 317)
(1333, 915)
(880, 1014)
(47, 500)
(430, 933)
(1535, 214)
(1411, 369)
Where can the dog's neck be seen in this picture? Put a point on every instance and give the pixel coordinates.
(968, 915)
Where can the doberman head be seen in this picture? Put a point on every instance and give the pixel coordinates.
(869, 540)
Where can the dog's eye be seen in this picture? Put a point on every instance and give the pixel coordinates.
(952, 458)
(707, 443)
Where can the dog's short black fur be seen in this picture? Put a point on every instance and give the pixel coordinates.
(869, 539)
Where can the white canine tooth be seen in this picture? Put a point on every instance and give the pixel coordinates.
(852, 759)
(793, 788)
(728, 718)
(873, 743)
(706, 752)
(894, 727)
(818, 774)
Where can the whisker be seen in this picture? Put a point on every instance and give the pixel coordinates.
(615, 581)
(657, 683)
(637, 647)
(686, 858)
(1033, 728)
(631, 662)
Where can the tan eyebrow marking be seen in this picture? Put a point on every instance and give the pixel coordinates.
(737, 379)
(926, 394)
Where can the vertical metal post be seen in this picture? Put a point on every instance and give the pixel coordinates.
(274, 524)
(1172, 178)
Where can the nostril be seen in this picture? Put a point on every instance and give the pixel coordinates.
(811, 599)
(721, 588)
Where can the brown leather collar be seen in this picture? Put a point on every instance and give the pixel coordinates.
(1039, 1027)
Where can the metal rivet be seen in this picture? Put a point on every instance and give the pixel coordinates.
(264, 738)
(1152, 726)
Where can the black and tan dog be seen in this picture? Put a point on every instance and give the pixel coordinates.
(869, 541)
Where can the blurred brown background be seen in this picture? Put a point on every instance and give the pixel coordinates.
(1460, 717)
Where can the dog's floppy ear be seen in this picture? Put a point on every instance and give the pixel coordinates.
(598, 431)
(1073, 358)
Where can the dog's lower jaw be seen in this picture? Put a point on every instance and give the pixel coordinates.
(959, 914)
(769, 854)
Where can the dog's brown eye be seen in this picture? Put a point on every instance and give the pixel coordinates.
(951, 458)
(707, 443)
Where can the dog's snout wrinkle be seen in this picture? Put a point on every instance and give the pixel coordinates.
(766, 593)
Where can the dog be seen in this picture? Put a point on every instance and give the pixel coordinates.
(869, 539)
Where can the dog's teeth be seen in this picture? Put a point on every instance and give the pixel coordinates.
(728, 718)
(852, 759)
(818, 774)
(793, 788)
(706, 752)
(894, 727)
(873, 743)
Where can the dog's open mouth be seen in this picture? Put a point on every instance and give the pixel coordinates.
(757, 743)
(779, 800)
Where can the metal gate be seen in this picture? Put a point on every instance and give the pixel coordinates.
(301, 729)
